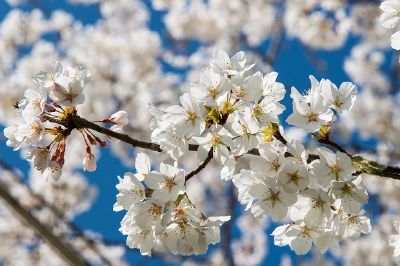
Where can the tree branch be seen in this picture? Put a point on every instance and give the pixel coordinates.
(62, 248)
(201, 166)
(377, 169)
(74, 228)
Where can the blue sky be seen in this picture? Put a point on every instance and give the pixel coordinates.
(293, 66)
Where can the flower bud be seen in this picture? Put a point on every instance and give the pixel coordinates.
(119, 118)
(89, 163)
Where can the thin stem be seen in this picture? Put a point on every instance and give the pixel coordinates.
(201, 166)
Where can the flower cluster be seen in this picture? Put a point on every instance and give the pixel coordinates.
(45, 119)
(232, 111)
(160, 215)
(390, 19)
(229, 111)
(317, 108)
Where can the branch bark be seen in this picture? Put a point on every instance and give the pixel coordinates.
(201, 166)
(364, 166)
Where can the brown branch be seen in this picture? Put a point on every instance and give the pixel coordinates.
(79, 122)
(363, 165)
(74, 228)
(201, 166)
(62, 248)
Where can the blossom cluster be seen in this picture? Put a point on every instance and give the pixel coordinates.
(231, 111)
(129, 74)
(159, 214)
(390, 19)
(44, 124)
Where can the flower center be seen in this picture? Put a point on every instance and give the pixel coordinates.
(215, 140)
(311, 117)
(213, 91)
(190, 115)
(169, 183)
(257, 111)
(240, 92)
(36, 128)
(294, 178)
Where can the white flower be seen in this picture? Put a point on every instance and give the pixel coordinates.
(310, 116)
(243, 182)
(271, 161)
(299, 237)
(311, 93)
(70, 94)
(357, 225)
(130, 191)
(167, 184)
(294, 177)
(40, 158)
(190, 232)
(140, 238)
(300, 154)
(147, 214)
(222, 64)
(331, 166)
(273, 91)
(312, 207)
(35, 103)
(142, 166)
(217, 141)
(395, 41)
(30, 132)
(174, 145)
(341, 99)
(394, 241)
(390, 18)
(347, 226)
(247, 89)
(211, 88)
(270, 199)
(46, 79)
(119, 120)
(259, 114)
(186, 119)
(246, 138)
(11, 134)
(53, 171)
(352, 196)
(79, 73)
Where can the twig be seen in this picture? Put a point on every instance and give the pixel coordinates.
(201, 166)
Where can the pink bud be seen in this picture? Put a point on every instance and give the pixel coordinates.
(119, 118)
(89, 163)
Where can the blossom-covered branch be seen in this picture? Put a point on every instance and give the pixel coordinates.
(230, 112)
